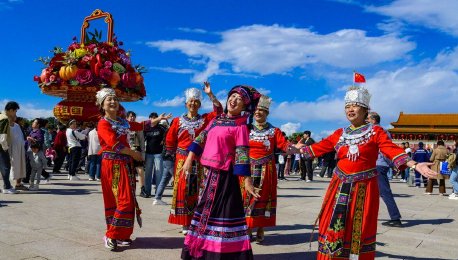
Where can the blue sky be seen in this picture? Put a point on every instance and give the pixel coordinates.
(301, 53)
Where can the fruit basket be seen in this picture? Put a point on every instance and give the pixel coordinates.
(77, 73)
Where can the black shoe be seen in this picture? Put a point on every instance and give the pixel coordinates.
(143, 193)
(393, 223)
(111, 244)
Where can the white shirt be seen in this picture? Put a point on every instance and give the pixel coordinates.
(72, 140)
(94, 143)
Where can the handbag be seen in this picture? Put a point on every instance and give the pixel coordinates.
(444, 169)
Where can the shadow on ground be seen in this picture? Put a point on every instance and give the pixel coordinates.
(391, 256)
(287, 256)
(65, 191)
(156, 243)
(298, 196)
(4, 203)
(402, 195)
(287, 239)
(289, 227)
(300, 188)
(417, 222)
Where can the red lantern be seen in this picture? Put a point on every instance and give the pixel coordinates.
(394, 136)
(80, 111)
(403, 136)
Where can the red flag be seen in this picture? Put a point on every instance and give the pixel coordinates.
(358, 78)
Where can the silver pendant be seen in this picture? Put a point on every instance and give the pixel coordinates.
(353, 149)
(267, 214)
(191, 131)
(267, 143)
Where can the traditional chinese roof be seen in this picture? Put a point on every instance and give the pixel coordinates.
(426, 124)
(429, 121)
(424, 130)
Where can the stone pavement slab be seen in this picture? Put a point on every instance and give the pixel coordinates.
(64, 220)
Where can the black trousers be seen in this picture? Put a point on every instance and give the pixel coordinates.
(309, 168)
(281, 171)
(5, 168)
(75, 156)
(327, 169)
(302, 168)
(59, 160)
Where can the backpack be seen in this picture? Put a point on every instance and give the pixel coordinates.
(451, 159)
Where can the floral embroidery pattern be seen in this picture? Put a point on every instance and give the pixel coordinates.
(358, 219)
(335, 233)
(400, 160)
(120, 126)
(115, 181)
(192, 125)
(348, 178)
(201, 138)
(241, 155)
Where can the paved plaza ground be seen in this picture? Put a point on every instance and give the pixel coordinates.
(64, 220)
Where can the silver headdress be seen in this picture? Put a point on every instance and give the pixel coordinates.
(358, 95)
(264, 103)
(193, 93)
(102, 94)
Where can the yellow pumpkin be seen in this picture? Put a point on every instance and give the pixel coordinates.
(115, 78)
(68, 72)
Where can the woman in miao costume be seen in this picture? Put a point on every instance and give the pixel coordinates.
(117, 175)
(264, 139)
(218, 229)
(348, 217)
(180, 135)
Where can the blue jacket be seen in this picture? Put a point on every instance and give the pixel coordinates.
(421, 155)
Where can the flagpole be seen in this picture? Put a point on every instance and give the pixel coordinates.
(354, 82)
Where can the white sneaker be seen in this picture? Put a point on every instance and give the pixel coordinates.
(69, 176)
(158, 202)
(74, 178)
(9, 191)
(46, 181)
(91, 179)
(184, 230)
(34, 188)
(453, 196)
(97, 179)
(308, 181)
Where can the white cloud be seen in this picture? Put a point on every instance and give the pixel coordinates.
(174, 70)
(275, 49)
(322, 134)
(221, 95)
(264, 91)
(428, 87)
(175, 102)
(290, 128)
(326, 109)
(29, 111)
(428, 13)
(192, 30)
